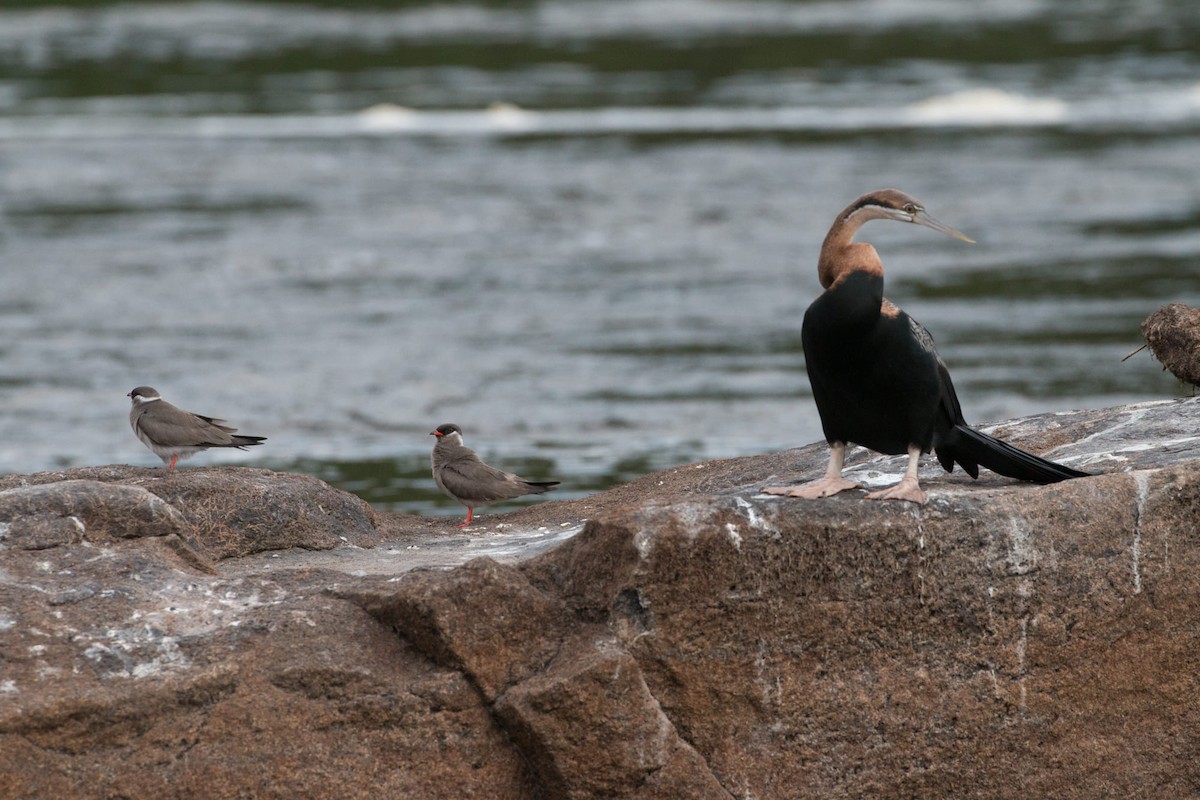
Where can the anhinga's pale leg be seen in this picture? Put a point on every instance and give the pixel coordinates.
(829, 485)
(907, 488)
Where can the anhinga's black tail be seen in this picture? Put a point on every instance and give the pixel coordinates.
(972, 449)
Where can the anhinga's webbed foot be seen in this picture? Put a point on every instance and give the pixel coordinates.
(828, 485)
(815, 490)
(907, 489)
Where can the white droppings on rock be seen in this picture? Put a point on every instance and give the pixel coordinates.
(1022, 557)
(644, 543)
(734, 536)
(694, 516)
(873, 479)
(756, 519)
(1142, 480)
(302, 616)
(140, 652)
(170, 658)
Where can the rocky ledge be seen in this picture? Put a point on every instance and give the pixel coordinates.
(240, 633)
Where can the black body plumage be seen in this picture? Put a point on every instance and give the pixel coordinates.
(878, 382)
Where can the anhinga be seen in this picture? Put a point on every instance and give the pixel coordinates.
(876, 376)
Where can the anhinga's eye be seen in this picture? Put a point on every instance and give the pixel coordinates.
(911, 208)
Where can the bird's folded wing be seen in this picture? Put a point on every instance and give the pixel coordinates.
(474, 480)
(182, 429)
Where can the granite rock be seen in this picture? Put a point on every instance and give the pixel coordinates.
(684, 636)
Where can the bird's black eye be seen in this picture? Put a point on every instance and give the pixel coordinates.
(910, 208)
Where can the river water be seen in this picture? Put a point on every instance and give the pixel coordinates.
(584, 230)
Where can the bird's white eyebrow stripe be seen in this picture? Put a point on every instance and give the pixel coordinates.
(859, 209)
(142, 399)
(878, 211)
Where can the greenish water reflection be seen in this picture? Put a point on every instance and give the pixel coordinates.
(1145, 275)
(405, 484)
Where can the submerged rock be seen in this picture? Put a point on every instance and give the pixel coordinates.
(694, 639)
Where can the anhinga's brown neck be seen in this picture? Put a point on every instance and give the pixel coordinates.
(840, 254)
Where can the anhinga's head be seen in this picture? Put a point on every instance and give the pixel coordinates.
(895, 204)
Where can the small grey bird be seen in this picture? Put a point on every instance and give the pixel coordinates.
(172, 433)
(462, 476)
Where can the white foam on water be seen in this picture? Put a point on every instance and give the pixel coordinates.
(987, 106)
(977, 107)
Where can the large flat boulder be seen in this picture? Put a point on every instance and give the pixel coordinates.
(225, 511)
(695, 638)
(45, 515)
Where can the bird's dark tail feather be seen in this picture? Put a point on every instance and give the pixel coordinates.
(242, 442)
(1003, 458)
(538, 487)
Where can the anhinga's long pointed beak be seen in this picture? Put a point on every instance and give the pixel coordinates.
(921, 218)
